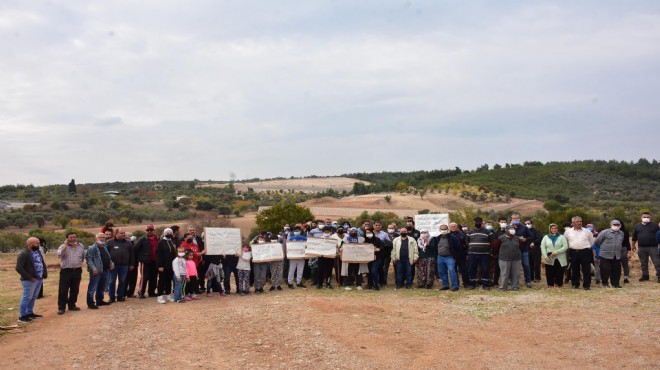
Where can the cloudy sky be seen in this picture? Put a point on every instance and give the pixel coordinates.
(150, 90)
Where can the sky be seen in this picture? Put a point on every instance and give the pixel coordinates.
(170, 90)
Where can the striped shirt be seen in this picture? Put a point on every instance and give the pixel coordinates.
(479, 241)
(71, 257)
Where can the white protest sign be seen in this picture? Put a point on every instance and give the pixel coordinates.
(267, 252)
(431, 222)
(357, 253)
(222, 241)
(319, 247)
(295, 249)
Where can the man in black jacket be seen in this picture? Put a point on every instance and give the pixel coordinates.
(121, 252)
(32, 268)
(534, 251)
(145, 251)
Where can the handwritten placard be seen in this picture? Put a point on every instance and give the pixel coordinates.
(295, 249)
(222, 240)
(267, 252)
(319, 247)
(357, 253)
(431, 222)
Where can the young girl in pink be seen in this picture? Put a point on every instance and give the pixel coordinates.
(191, 276)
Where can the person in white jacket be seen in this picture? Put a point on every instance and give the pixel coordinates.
(180, 269)
(243, 267)
(404, 255)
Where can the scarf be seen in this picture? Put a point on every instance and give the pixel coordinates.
(422, 243)
(553, 238)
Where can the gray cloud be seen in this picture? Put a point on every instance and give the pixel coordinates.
(256, 89)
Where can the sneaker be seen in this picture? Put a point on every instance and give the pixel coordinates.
(626, 281)
(161, 299)
(502, 290)
(141, 296)
(515, 289)
(348, 288)
(60, 311)
(241, 294)
(34, 316)
(329, 286)
(301, 285)
(170, 298)
(359, 288)
(222, 294)
(454, 289)
(529, 285)
(186, 299)
(194, 297)
(24, 320)
(290, 285)
(181, 301)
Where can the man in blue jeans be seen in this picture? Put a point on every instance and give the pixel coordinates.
(404, 255)
(121, 253)
(99, 264)
(32, 268)
(525, 236)
(448, 247)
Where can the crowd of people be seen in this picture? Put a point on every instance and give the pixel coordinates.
(178, 269)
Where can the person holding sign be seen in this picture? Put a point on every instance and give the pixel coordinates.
(296, 266)
(353, 271)
(404, 255)
(325, 263)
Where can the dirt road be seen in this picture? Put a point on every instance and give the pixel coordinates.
(534, 328)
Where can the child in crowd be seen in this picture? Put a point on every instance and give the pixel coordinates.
(243, 267)
(192, 279)
(179, 266)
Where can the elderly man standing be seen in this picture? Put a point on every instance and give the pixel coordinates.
(479, 241)
(32, 268)
(644, 236)
(71, 255)
(580, 241)
(610, 242)
(121, 251)
(98, 265)
(448, 247)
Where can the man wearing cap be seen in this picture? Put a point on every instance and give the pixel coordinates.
(580, 241)
(610, 242)
(145, 250)
(644, 236)
(479, 241)
(121, 252)
(32, 268)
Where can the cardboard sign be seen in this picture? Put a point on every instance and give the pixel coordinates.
(357, 253)
(431, 222)
(295, 249)
(222, 241)
(267, 252)
(319, 247)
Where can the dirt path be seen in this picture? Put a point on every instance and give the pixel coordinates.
(534, 328)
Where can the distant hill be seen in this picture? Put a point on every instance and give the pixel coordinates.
(579, 183)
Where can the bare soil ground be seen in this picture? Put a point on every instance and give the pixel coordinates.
(310, 328)
(431, 201)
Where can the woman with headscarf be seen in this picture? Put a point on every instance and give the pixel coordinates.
(426, 262)
(165, 253)
(553, 251)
